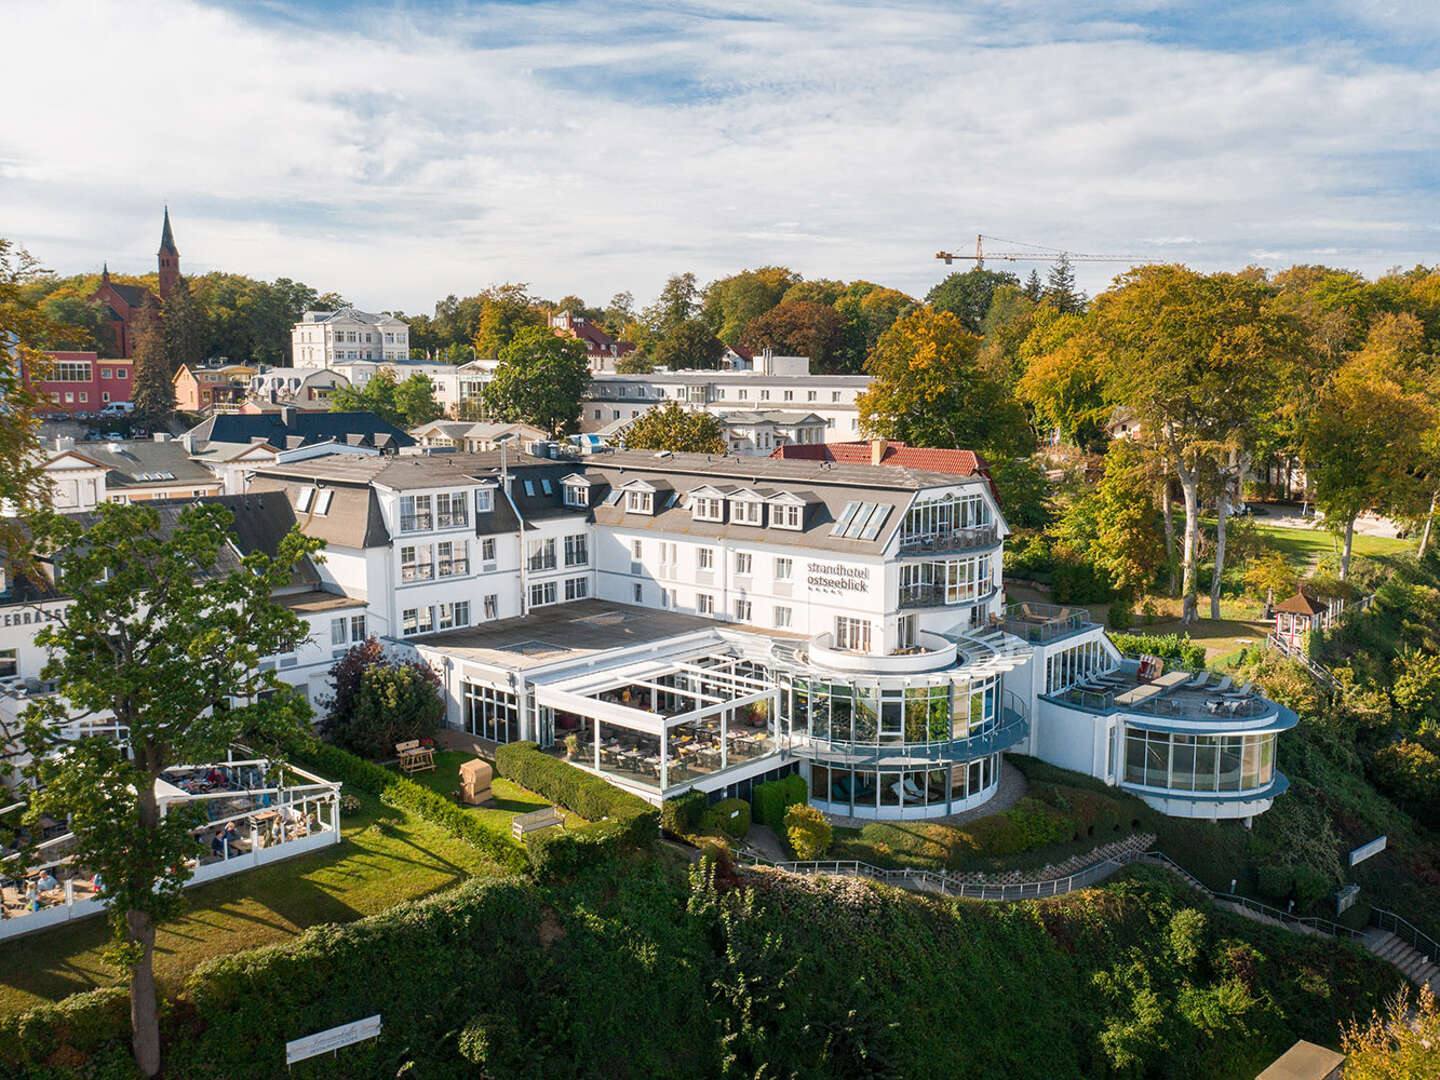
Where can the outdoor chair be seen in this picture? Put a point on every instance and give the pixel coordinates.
(1244, 691)
(1224, 685)
(1199, 681)
(912, 789)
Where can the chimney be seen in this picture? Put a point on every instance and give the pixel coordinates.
(64, 443)
(188, 441)
(161, 436)
(877, 450)
(287, 415)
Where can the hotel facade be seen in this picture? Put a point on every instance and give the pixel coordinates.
(679, 622)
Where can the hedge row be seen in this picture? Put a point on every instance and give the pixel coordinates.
(405, 794)
(87, 1023)
(620, 821)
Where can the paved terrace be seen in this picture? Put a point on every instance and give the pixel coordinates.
(1180, 694)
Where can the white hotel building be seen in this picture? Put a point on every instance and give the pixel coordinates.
(322, 339)
(680, 622)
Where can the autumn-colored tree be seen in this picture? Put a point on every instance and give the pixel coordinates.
(506, 311)
(677, 429)
(800, 329)
(1403, 1044)
(868, 310)
(820, 291)
(1270, 575)
(23, 482)
(1194, 358)
(929, 388)
(152, 391)
(730, 304)
(1063, 384)
(540, 381)
(1129, 544)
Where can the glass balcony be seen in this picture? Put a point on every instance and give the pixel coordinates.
(949, 540)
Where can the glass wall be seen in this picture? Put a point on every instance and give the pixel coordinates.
(490, 713)
(864, 713)
(1184, 762)
(934, 789)
(1067, 667)
(938, 517)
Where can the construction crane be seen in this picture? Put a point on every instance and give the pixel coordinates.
(1037, 254)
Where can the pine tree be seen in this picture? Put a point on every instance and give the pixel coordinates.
(1060, 288)
(184, 328)
(1033, 289)
(154, 388)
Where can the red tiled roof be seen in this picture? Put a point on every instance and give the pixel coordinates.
(744, 354)
(959, 462)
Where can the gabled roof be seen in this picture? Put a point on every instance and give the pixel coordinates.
(145, 463)
(309, 427)
(1301, 604)
(133, 295)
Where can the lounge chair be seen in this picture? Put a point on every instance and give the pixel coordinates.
(1224, 685)
(912, 789)
(1199, 681)
(1244, 691)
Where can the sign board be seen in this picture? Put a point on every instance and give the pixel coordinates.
(837, 577)
(332, 1039)
(1364, 851)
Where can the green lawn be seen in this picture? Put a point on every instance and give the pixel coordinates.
(385, 856)
(1304, 546)
(506, 801)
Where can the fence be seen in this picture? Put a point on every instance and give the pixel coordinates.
(1406, 931)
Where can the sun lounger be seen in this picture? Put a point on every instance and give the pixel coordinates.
(1199, 681)
(1224, 685)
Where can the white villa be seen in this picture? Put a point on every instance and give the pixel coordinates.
(322, 339)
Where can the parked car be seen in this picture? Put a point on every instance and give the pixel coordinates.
(118, 408)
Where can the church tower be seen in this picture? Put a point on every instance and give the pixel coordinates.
(169, 260)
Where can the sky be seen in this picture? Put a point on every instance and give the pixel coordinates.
(399, 152)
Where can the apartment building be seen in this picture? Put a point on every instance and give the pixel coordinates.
(324, 338)
(79, 383)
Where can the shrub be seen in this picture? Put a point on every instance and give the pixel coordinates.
(619, 821)
(1168, 646)
(1274, 882)
(379, 702)
(1120, 616)
(1039, 824)
(680, 816)
(994, 836)
(730, 817)
(83, 1023)
(772, 798)
(808, 831)
(1311, 886)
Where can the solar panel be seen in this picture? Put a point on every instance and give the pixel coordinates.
(614, 497)
(843, 520)
(877, 519)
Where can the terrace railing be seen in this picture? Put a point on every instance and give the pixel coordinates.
(1043, 622)
(949, 540)
(1407, 932)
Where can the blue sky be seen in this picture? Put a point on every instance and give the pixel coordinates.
(399, 152)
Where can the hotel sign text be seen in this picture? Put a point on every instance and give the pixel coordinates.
(836, 577)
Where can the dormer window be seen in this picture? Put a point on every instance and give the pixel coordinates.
(575, 491)
(639, 502)
(787, 511)
(707, 508)
(747, 512)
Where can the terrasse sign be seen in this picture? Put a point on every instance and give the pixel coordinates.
(30, 616)
(836, 577)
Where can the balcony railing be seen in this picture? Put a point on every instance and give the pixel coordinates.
(1043, 622)
(951, 540)
(924, 594)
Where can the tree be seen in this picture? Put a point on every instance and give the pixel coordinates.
(159, 638)
(730, 304)
(800, 329)
(1062, 382)
(184, 328)
(967, 295)
(688, 345)
(1129, 544)
(821, 291)
(1404, 1044)
(635, 363)
(678, 303)
(508, 309)
(1033, 289)
(868, 310)
(153, 389)
(1060, 288)
(76, 323)
(540, 380)
(928, 388)
(379, 701)
(1268, 575)
(23, 327)
(1360, 440)
(619, 314)
(1192, 358)
(672, 427)
(405, 404)
(1022, 490)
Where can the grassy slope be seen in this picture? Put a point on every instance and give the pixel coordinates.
(385, 856)
(507, 799)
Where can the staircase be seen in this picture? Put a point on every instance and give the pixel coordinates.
(1320, 674)
(1412, 963)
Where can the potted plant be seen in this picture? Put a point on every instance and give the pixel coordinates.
(572, 746)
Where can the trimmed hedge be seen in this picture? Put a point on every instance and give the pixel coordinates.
(83, 1024)
(1165, 646)
(680, 816)
(772, 798)
(405, 794)
(620, 822)
(730, 817)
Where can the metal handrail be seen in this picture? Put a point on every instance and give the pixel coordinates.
(1402, 928)
(962, 538)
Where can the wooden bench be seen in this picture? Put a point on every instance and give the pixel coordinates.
(414, 757)
(535, 821)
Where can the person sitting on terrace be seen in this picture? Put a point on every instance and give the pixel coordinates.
(32, 897)
(215, 778)
(96, 885)
(47, 881)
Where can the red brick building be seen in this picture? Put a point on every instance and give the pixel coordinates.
(123, 302)
(80, 382)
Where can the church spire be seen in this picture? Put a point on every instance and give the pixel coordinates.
(105, 271)
(169, 260)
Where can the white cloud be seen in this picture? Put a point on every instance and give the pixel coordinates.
(590, 148)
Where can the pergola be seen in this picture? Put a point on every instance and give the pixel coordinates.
(714, 692)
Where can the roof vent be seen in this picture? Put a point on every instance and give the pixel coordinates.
(662, 453)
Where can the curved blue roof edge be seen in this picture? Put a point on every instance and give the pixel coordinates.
(1285, 719)
(1014, 730)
